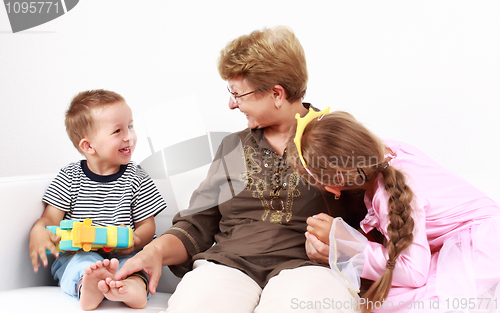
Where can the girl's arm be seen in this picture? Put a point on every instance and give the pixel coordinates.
(42, 239)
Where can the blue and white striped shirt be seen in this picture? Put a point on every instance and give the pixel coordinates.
(126, 197)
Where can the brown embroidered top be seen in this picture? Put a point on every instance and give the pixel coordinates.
(250, 212)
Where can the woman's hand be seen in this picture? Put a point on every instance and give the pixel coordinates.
(319, 226)
(164, 250)
(149, 260)
(317, 250)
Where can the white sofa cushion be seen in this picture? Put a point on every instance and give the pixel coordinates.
(52, 299)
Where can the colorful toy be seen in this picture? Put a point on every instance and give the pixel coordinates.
(77, 235)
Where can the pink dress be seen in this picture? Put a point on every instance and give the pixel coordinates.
(452, 265)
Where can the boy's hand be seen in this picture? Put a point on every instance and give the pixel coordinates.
(136, 242)
(319, 226)
(42, 239)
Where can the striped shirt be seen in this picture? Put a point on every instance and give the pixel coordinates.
(126, 197)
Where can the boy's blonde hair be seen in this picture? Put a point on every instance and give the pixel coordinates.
(273, 56)
(79, 119)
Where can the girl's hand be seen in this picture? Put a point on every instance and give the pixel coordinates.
(42, 239)
(319, 226)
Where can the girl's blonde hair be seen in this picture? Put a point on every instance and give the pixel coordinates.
(338, 150)
(265, 58)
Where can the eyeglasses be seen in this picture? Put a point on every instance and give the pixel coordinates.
(301, 125)
(235, 96)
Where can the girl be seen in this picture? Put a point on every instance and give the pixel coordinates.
(442, 234)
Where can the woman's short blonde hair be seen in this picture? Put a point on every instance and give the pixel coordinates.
(79, 118)
(265, 58)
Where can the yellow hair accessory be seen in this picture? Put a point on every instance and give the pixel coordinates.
(301, 125)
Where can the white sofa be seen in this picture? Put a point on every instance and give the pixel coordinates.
(21, 290)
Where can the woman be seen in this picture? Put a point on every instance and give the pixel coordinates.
(442, 233)
(241, 241)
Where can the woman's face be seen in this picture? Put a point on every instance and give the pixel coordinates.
(258, 108)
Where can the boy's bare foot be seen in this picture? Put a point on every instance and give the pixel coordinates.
(90, 295)
(131, 291)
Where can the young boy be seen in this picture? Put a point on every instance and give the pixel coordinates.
(105, 187)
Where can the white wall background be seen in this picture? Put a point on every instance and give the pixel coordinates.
(425, 72)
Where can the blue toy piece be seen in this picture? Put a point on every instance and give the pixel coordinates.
(77, 235)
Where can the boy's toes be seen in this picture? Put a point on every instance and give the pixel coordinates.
(113, 265)
(103, 286)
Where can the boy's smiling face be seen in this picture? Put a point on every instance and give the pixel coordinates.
(113, 140)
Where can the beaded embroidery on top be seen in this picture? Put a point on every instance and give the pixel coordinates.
(276, 171)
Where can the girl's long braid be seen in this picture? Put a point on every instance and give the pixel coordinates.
(400, 231)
